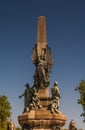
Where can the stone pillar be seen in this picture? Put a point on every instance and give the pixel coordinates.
(41, 30)
(41, 35)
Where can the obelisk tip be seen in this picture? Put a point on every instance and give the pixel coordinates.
(41, 30)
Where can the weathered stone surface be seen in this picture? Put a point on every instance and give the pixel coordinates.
(42, 118)
(43, 93)
(41, 34)
(41, 30)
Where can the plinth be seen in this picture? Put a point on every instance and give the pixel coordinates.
(41, 119)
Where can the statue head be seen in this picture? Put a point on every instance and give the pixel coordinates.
(27, 85)
(55, 83)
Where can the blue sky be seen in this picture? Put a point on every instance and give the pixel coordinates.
(66, 37)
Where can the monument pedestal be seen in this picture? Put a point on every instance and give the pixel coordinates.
(42, 119)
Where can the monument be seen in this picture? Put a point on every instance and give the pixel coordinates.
(41, 110)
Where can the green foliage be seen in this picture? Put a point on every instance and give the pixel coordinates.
(4, 112)
(81, 90)
(18, 128)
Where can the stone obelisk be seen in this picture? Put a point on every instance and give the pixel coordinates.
(41, 35)
(40, 108)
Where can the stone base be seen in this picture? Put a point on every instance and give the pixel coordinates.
(41, 119)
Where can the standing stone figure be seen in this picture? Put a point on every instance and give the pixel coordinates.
(27, 96)
(41, 69)
(55, 92)
(31, 101)
(72, 125)
(41, 77)
(54, 105)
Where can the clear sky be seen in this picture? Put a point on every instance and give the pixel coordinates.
(66, 37)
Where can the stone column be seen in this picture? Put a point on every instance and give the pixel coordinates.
(41, 35)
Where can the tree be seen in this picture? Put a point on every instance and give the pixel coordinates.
(17, 128)
(81, 90)
(4, 112)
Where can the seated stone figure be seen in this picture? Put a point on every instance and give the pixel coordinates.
(34, 104)
(54, 105)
